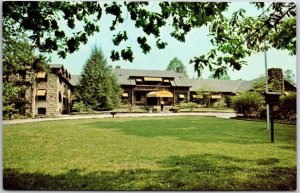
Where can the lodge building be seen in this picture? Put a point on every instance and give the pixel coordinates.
(150, 87)
(45, 94)
(52, 94)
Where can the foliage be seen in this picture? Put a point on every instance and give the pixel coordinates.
(99, 88)
(177, 66)
(238, 37)
(275, 80)
(53, 25)
(223, 77)
(206, 96)
(188, 105)
(259, 85)
(63, 26)
(289, 76)
(183, 153)
(288, 106)
(18, 55)
(247, 103)
(220, 103)
(80, 107)
(10, 94)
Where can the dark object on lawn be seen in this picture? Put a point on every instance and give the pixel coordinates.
(113, 113)
(272, 98)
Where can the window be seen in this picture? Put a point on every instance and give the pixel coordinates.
(41, 98)
(60, 80)
(41, 77)
(59, 97)
(138, 96)
(22, 75)
(41, 95)
(41, 111)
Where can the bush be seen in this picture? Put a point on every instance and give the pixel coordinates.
(188, 105)
(124, 106)
(80, 107)
(247, 103)
(287, 107)
(220, 103)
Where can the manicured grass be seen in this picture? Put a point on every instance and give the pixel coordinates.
(159, 153)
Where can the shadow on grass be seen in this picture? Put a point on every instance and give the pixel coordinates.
(193, 172)
(193, 129)
(197, 129)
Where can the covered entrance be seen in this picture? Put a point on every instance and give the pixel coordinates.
(155, 98)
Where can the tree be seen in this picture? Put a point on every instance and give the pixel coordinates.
(177, 66)
(98, 87)
(233, 39)
(52, 24)
(223, 77)
(17, 56)
(289, 76)
(240, 36)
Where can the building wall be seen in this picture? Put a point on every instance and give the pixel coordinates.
(51, 101)
(30, 103)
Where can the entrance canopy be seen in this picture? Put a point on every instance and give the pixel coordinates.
(162, 93)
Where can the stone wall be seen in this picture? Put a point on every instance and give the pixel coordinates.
(51, 95)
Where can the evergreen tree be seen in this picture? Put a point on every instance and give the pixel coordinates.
(99, 89)
(177, 65)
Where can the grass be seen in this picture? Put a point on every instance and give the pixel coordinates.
(182, 153)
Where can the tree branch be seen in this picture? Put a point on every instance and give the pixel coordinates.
(265, 23)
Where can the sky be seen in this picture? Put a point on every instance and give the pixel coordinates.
(197, 43)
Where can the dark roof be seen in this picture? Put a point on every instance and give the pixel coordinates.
(215, 85)
(247, 85)
(123, 76)
(225, 86)
(75, 80)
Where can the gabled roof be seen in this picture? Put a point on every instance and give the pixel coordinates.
(124, 76)
(229, 86)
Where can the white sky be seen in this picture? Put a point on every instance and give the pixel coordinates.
(197, 43)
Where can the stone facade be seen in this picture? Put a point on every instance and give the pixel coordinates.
(46, 94)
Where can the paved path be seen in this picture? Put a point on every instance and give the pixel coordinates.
(97, 116)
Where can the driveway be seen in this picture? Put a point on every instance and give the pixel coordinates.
(98, 116)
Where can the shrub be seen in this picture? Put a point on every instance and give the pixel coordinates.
(188, 105)
(124, 106)
(287, 107)
(247, 103)
(80, 107)
(220, 103)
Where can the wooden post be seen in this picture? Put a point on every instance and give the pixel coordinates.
(132, 95)
(272, 123)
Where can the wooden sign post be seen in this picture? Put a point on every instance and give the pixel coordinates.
(272, 98)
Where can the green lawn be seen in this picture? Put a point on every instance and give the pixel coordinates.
(160, 153)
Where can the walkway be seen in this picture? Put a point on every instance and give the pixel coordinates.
(97, 116)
